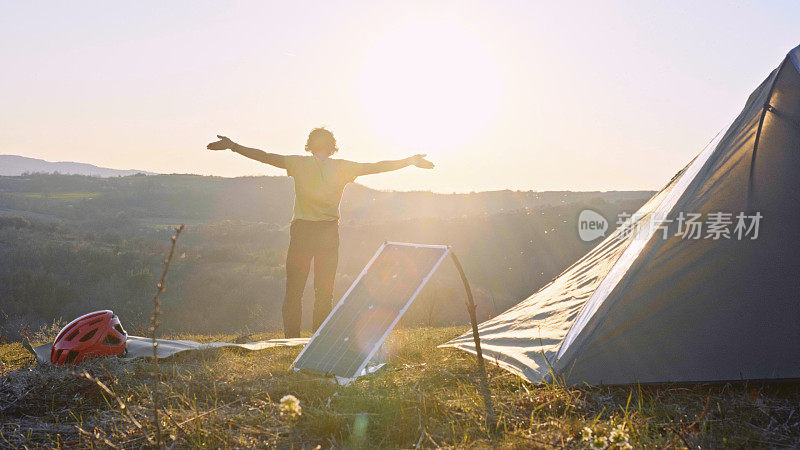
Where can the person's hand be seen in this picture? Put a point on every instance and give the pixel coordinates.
(222, 144)
(420, 161)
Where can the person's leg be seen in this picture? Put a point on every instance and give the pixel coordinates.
(298, 262)
(326, 258)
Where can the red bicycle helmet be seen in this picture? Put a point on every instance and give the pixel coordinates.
(89, 336)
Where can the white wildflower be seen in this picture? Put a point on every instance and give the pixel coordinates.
(599, 442)
(290, 406)
(618, 435)
(586, 434)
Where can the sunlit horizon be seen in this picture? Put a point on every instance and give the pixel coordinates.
(501, 95)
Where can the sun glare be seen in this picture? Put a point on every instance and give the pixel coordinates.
(436, 86)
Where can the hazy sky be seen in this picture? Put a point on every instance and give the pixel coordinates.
(501, 95)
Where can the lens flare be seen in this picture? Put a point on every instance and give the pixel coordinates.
(427, 86)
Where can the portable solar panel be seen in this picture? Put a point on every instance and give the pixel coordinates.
(353, 332)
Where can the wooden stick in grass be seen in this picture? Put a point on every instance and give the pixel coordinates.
(161, 287)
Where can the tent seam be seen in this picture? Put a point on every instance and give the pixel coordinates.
(764, 109)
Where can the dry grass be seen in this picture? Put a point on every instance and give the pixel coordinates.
(426, 397)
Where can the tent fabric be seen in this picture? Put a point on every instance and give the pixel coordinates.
(142, 347)
(642, 307)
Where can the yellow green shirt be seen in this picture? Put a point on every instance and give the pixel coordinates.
(318, 185)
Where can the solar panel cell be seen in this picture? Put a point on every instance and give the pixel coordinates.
(368, 311)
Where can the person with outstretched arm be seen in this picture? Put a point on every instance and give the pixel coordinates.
(319, 181)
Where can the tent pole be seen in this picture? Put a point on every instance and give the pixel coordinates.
(764, 110)
(486, 394)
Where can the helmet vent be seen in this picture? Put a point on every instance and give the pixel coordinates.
(73, 334)
(88, 335)
(71, 356)
(95, 321)
(111, 340)
(119, 328)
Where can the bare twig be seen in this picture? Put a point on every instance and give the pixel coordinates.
(680, 435)
(25, 394)
(104, 388)
(177, 425)
(180, 424)
(161, 287)
(96, 437)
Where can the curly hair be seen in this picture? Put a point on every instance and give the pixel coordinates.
(321, 136)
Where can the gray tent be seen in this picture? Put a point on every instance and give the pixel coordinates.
(648, 305)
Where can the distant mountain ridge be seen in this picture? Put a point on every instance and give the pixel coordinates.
(15, 165)
(200, 199)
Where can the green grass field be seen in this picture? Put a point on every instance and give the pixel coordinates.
(425, 397)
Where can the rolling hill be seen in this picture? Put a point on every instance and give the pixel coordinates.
(15, 165)
(70, 244)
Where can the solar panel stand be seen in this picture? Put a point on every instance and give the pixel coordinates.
(473, 318)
